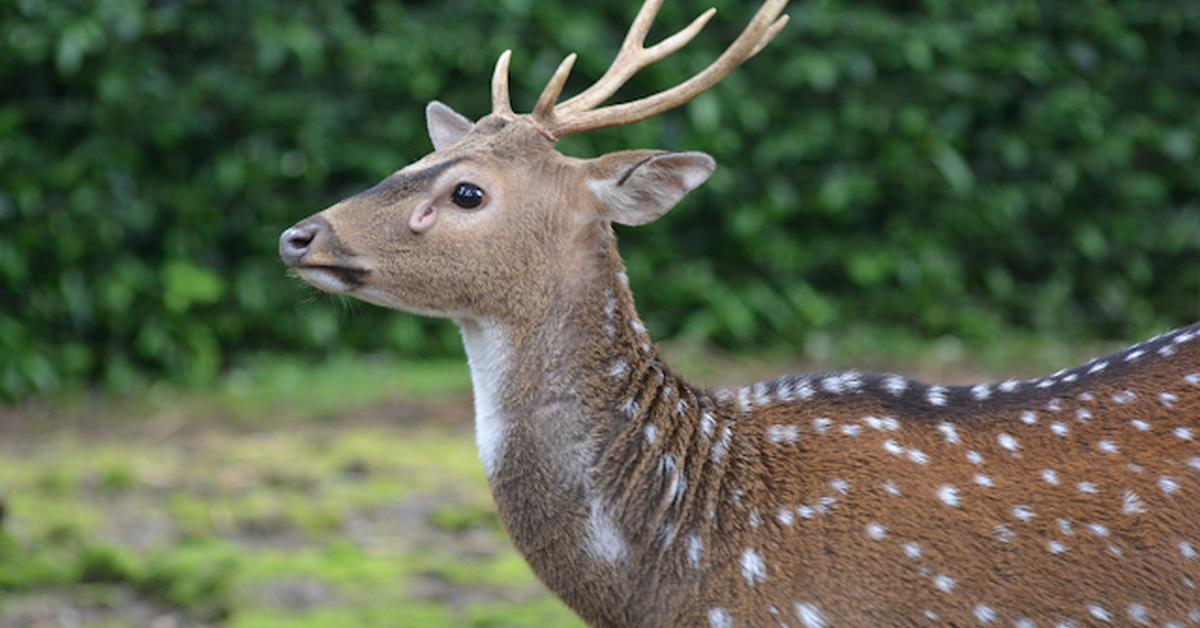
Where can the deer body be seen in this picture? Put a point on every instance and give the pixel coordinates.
(812, 500)
(846, 498)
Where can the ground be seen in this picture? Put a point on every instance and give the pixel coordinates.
(344, 494)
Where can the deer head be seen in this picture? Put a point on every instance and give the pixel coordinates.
(495, 221)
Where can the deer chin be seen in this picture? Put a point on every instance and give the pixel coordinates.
(335, 279)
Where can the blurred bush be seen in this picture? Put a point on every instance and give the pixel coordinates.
(949, 167)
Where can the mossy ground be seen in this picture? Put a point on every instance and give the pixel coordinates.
(344, 494)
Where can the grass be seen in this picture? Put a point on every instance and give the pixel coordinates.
(285, 495)
(341, 493)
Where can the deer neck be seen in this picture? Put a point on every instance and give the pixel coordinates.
(553, 394)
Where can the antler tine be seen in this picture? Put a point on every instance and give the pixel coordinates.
(577, 118)
(544, 109)
(500, 103)
(633, 57)
(770, 35)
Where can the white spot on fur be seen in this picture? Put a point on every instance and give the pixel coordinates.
(895, 384)
(1009, 385)
(890, 488)
(1193, 379)
(1003, 533)
(1083, 415)
(753, 568)
(1029, 417)
(949, 433)
(695, 549)
(822, 425)
(1131, 504)
(619, 369)
(1022, 513)
(1064, 527)
(876, 531)
(1124, 397)
(918, 456)
(602, 540)
(1168, 485)
(743, 399)
(984, 481)
(974, 458)
(783, 434)
(1086, 487)
(785, 516)
(840, 486)
(1107, 446)
(707, 424)
(651, 433)
(1138, 613)
(852, 429)
(944, 583)
(1055, 547)
(892, 447)
(719, 618)
(1133, 355)
(912, 550)
(1187, 551)
(722, 444)
(1097, 611)
(948, 494)
(1050, 476)
(1097, 367)
(761, 398)
(981, 391)
(1183, 433)
(809, 615)
(936, 395)
(1097, 530)
(1008, 442)
(1059, 429)
(1140, 425)
(1167, 399)
(984, 614)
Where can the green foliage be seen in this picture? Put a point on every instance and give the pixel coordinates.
(949, 167)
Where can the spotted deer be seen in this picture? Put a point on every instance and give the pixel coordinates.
(817, 499)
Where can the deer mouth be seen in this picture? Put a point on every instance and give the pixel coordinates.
(333, 278)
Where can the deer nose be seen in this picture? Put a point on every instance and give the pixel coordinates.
(295, 242)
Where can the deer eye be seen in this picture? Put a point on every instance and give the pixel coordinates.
(467, 196)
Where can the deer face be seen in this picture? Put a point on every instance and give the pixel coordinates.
(437, 236)
(495, 221)
(492, 222)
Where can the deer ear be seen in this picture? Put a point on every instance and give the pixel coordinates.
(446, 126)
(639, 187)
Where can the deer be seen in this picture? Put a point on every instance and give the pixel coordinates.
(814, 499)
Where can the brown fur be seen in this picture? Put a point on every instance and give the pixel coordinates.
(642, 500)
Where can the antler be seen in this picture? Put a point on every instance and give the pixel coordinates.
(580, 113)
